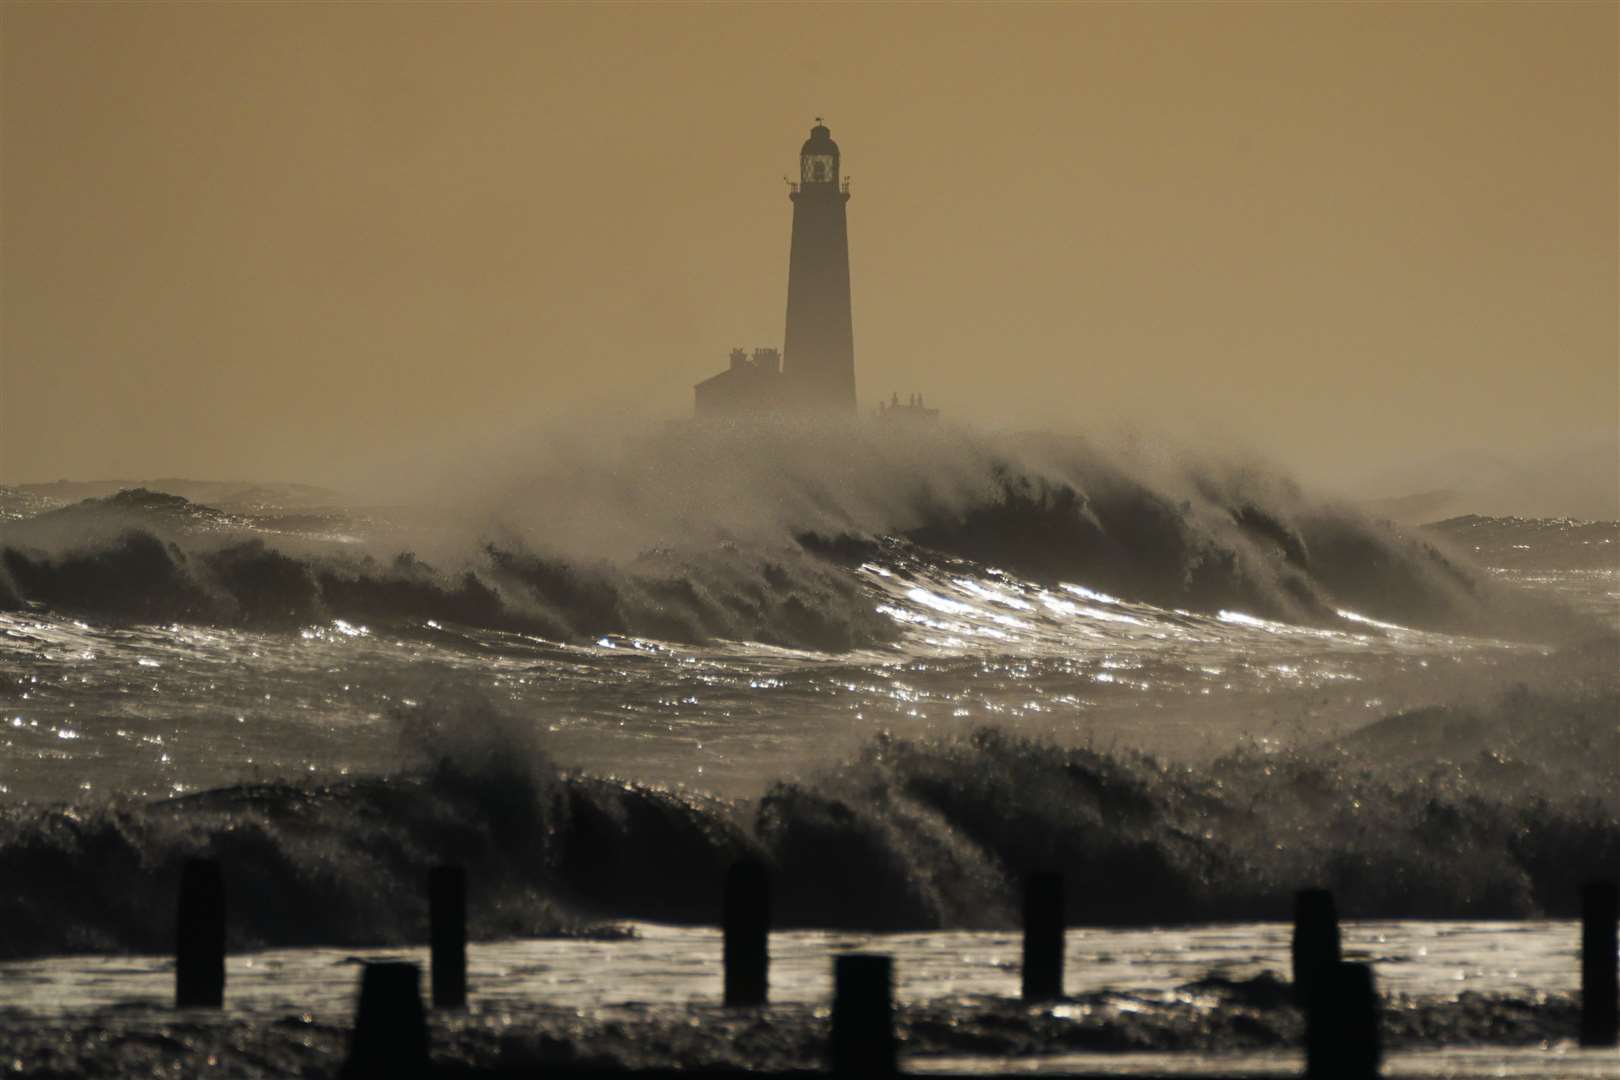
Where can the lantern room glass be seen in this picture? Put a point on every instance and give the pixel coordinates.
(818, 168)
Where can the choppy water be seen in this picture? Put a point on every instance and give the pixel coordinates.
(154, 710)
(1201, 1000)
(148, 709)
(663, 966)
(923, 714)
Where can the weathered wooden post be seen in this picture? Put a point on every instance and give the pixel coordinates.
(199, 936)
(447, 919)
(1600, 964)
(746, 919)
(1341, 1024)
(390, 1035)
(863, 1041)
(1043, 937)
(1316, 939)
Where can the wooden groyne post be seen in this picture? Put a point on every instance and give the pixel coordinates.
(746, 922)
(863, 1042)
(1600, 964)
(199, 936)
(1043, 937)
(1341, 1024)
(390, 1035)
(447, 927)
(1316, 939)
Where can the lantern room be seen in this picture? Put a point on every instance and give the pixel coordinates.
(818, 158)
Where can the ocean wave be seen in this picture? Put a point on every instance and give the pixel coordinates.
(1477, 812)
(138, 570)
(761, 549)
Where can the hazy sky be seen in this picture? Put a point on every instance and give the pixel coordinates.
(284, 241)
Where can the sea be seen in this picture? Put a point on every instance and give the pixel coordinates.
(903, 668)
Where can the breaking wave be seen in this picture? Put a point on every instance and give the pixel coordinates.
(698, 535)
(832, 543)
(135, 569)
(1495, 811)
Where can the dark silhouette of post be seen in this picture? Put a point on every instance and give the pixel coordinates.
(447, 919)
(390, 1027)
(1341, 1024)
(199, 936)
(863, 1016)
(1600, 964)
(1316, 939)
(1043, 937)
(746, 918)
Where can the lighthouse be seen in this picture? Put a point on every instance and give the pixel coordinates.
(818, 348)
(815, 371)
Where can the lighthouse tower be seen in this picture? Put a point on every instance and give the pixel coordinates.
(818, 353)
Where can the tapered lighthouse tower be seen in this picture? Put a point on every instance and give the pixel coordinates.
(818, 354)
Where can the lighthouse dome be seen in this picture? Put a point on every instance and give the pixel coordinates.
(819, 142)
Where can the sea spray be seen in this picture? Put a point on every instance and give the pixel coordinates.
(910, 834)
(695, 535)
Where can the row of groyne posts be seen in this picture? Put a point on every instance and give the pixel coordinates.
(1339, 997)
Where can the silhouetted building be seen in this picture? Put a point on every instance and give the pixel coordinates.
(749, 385)
(912, 409)
(816, 370)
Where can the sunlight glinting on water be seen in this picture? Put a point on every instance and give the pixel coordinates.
(677, 966)
(176, 707)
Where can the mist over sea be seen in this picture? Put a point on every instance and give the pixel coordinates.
(903, 666)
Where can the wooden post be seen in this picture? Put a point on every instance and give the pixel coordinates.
(447, 917)
(1043, 937)
(1341, 1024)
(199, 937)
(1316, 939)
(863, 1016)
(1600, 964)
(746, 917)
(390, 1027)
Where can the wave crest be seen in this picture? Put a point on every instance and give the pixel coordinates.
(910, 834)
(746, 535)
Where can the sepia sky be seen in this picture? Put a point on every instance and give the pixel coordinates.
(286, 241)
